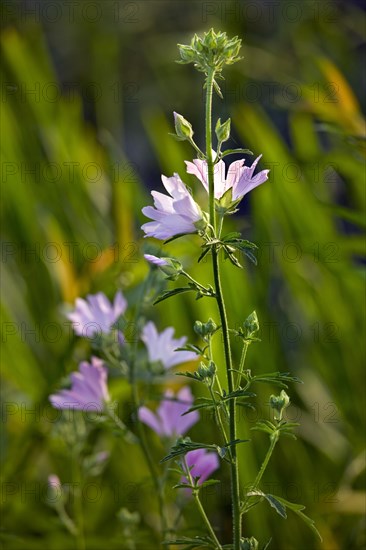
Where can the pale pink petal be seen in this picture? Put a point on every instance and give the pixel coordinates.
(150, 419)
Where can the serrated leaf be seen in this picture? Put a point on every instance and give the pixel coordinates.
(191, 375)
(235, 152)
(210, 482)
(169, 293)
(238, 393)
(203, 254)
(191, 347)
(297, 509)
(277, 378)
(251, 256)
(199, 407)
(183, 447)
(183, 486)
(273, 501)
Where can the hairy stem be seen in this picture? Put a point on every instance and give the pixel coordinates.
(201, 508)
(235, 491)
(274, 439)
(140, 429)
(242, 362)
(78, 502)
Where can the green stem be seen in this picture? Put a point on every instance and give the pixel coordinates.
(218, 416)
(78, 509)
(140, 429)
(201, 509)
(242, 362)
(210, 164)
(274, 439)
(66, 520)
(235, 490)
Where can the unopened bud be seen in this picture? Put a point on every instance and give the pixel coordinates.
(169, 266)
(249, 544)
(251, 323)
(223, 130)
(183, 128)
(279, 404)
(207, 372)
(205, 329)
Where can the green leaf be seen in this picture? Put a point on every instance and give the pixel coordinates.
(169, 293)
(273, 501)
(297, 509)
(280, 504)
(237, 393)
(191, 347)
(264, 426)
(210, 482)
(184, 445)
(235, 152)
(278, 378)
(192, 375)
(203, 254)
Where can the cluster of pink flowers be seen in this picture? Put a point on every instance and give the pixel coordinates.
(89, 390)
(178, 213)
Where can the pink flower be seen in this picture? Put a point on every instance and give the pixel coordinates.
(88, 391)
(202, 464)
(161, 347)
(168, 420)
(54, 481)
(96, 314)
(160, 262)
(239, 177)
(173, 215)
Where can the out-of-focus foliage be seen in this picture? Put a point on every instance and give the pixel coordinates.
(88, 93)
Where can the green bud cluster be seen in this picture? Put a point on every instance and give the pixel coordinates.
(279, 404)
(249, 544)
(207, 372)
(205, 330)
(251, 324)
(212, 52)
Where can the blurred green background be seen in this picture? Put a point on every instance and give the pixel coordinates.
(88, 91)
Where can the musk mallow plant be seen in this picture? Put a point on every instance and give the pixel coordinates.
(177, 215)
(150, 359)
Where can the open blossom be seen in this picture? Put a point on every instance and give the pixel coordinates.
(88, 388)
(161, 347)
(96, 314)
(168, 420)
(202, 464)
(239, 177)
(173, 215)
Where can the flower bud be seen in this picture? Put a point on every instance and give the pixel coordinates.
(223, 130)
(251, 323)
(183, 128)
(279, 404)
(169, 266)
(54, 494)
(205, 329)
(207, 372)
(249, 544)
